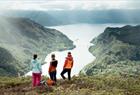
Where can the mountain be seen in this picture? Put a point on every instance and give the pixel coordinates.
(6, 67)
(117, 52)
(41, 17)
(20, 38)
(53, 18)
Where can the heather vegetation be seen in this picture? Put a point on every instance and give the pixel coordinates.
(81, 85)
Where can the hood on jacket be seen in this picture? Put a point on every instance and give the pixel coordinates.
(69, 57)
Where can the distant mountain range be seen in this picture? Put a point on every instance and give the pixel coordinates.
(53, 18)
(20, 38)
(117, 52)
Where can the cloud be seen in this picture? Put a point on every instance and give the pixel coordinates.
(68, 4)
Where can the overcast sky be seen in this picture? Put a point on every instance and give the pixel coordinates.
(68, 4)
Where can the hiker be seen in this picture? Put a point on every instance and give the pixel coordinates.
(36, 71)
(52, 68)
(67, 66)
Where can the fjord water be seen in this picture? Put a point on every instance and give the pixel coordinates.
(81, 35)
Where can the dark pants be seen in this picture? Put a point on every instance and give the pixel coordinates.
(53, 75)
(66, 71)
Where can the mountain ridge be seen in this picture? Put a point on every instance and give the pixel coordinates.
(23, 37)
(117, 52)
(53, 18)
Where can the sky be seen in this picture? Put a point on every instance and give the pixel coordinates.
(68, 4)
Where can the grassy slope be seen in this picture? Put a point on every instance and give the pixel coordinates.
(105, 85)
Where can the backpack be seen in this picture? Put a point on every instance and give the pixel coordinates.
(54, 63)
(50, 82)
(47, 83)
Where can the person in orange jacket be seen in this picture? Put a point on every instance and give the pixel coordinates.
(67, 66)
(52, 68)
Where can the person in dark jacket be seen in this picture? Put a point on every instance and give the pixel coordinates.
(52, 68)
(67, 66)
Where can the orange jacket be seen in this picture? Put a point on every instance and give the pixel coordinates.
(51, 67)
(68, 62)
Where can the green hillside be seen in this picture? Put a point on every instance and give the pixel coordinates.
(7, 60)
(22, 37)
(117, 52)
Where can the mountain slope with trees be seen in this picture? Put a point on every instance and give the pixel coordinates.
(117, 52)
(22, 37)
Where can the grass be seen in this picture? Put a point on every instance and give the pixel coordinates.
(82, 85)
